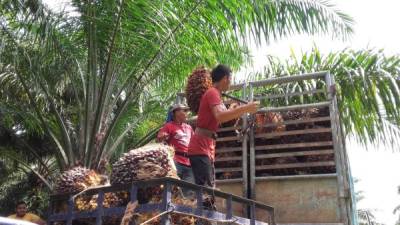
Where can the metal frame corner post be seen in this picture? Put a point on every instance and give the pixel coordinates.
(338, 148)
(245, 174)
(252, 174)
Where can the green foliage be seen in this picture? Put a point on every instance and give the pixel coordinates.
(86, 81)
(17, 185)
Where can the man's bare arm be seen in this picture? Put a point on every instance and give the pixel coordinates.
(222, 115)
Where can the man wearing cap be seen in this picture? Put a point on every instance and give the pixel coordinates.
(177, 133)
(212, 112)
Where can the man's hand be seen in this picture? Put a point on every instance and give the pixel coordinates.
(223, 116)
(252, 107)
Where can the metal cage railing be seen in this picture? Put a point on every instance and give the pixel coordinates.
(166, 204)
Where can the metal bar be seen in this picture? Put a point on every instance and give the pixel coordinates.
(165, 203)
(294, 132)
(315, 91)
(231, 138)
(228, 149)
(245, 172)
(293, 107)
(229, 158)
(290, 154)
(236, 87)
(338, 156)
(299, 121)
(199, 197)
(70, 211)
(180, 183)
(229, 213)
(272, 218)
(298, 177)
(296, 165)
(294, 145)
(228, 181)
(99, 209)
(346, 170)
(252, 214)
(252, 185)
(229, 128)
(287, 79)
(234, 98)
(231, 169)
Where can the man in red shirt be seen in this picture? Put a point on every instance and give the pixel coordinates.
(177, 133)
(212, 112)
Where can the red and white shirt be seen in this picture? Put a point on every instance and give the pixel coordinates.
(179, 136)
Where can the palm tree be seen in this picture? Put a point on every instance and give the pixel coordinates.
(86, 80)
(368, 88)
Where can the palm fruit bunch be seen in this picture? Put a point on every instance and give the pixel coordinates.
(267, 118)
(148, 162)
(301, 114)
(198, 83)
(78, 179)
(292, 115)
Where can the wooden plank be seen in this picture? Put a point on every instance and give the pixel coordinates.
(294, 132)
(299, 121)
(288, 79)
(228, 149)
(294, 145)
(289, 154)
(295, 165)
(230, 138)
(315, 91)
(298, 177)
(229, 158)
(294, 107)
(231, 169)
(229, 128)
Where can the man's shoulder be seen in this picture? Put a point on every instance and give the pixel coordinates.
(12, 216)
(212, 91)
(32, 216)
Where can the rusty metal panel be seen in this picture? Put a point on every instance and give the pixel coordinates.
(301, 200)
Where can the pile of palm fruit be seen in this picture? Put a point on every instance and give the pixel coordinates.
(79, 179)
(274, 122)
(148, 162)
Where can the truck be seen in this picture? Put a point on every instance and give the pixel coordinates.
(294, 158)
(287, 164)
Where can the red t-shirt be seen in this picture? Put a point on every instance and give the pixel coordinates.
(199, 144)
(179, 138)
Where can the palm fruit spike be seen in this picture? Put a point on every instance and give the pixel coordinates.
(198, 83)
(78, 179)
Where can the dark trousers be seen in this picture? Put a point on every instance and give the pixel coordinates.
(186, 174)
(204, 175)
(203, 170)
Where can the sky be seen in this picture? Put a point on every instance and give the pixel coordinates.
(376, 26)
